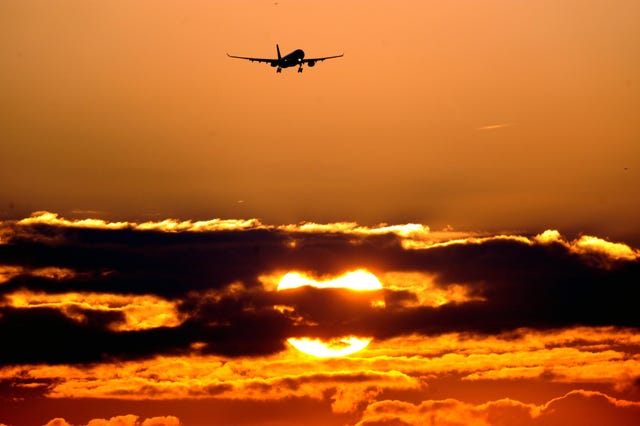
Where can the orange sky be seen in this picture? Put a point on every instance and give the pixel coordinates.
(482, 115)
(481, 158)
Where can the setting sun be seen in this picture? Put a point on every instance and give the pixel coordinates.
(341, 346)
(359, 280)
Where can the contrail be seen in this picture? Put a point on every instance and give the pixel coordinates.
(496, 126)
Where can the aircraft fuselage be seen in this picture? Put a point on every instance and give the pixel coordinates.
(291, 60)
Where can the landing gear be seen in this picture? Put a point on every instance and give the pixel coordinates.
(279, 69)
(300, 69)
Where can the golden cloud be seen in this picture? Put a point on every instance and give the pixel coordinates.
(7, 272)
(427, 243)
(413, 236)
(424, 288)
(167, 225)
(48, 218)
(126, 420)
(444, 412)
(575, 407)
(583, 245)
(616, 251)
(587, 244)
(405, 230)
(58, 422)
(140, 312)
(410, 230)
(198, 377)
(577, 355)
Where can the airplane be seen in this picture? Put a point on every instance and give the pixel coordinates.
(291, 60)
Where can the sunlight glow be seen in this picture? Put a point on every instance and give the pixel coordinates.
(359, 280)
(338, 347)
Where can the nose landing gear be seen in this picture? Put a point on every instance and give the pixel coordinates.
(300, 69)
(279, 69)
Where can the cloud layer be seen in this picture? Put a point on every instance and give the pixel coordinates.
(577, 407)
(178, 311)
(90, 290)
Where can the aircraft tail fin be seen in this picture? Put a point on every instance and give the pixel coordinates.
(278, 49)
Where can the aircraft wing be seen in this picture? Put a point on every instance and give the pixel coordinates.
(265, 60)
(313, 60)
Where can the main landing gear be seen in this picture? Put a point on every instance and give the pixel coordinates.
(300, 69)
(279, 69)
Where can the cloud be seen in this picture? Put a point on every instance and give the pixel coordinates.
(207, 378)
(91, 290)
(162, 421)
(413, 289)
(592, 246)
(135, 312)
(167, 225)
(383, 383)
(605, 356)
(585, 245)
(58, 422)
(576, 407)
(8, 272)
(127, 420)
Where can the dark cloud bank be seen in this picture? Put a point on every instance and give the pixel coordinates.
(538, 286)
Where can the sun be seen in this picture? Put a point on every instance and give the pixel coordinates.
(359, 280)
(341, 346)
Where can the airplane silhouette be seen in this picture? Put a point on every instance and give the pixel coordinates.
(291, 60)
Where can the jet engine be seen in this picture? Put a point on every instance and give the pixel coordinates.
(274, 64)
(311, 63)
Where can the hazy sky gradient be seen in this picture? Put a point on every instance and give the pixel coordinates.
(483, 115)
